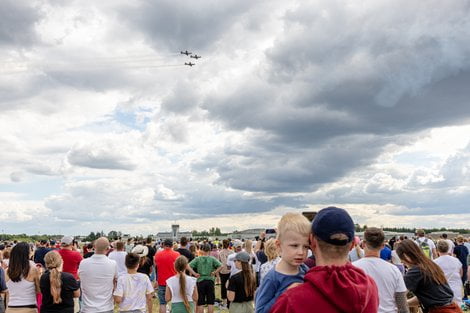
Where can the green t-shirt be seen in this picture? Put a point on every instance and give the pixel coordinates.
(205, 265)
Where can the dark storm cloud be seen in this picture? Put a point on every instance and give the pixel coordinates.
(337, 92)
(285, 168)
(175, 25)
(17, 23)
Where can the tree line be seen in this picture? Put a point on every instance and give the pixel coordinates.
(212, 232)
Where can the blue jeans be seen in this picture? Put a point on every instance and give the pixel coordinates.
(161, 295)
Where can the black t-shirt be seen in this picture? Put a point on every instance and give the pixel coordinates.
(428, 292)
(186, 253)
(151, 253)
(88, 254)
(262, 258)
(3, 285)
(236, 284)
(461, 252)
(39, 255)
(69, 285)
(145, 268)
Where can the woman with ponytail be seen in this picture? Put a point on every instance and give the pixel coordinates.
(22, 280)
(242, 286)
(58, 288)
(426, 280)
(181, 289)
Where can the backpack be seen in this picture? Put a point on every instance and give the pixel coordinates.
(424, 245)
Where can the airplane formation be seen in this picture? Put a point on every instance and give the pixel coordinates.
(190, 54)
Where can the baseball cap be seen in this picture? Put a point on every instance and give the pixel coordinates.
(331, 221)
(237, 244)
(242, 256)
(168, 243)
(140, 250)
(66, 240)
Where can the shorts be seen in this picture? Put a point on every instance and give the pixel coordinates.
(161, 295)
(206, 291)
(21, 310)
(242, 307)
(178, 307)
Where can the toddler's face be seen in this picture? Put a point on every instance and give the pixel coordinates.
(294, 247)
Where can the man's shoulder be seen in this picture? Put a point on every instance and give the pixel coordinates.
(183, 251)
(167, 253)
(299, 294)
(361, 262)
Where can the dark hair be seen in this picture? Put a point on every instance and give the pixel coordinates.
(192, 249)
(132, 260)
(19, 262)
(183, 241)
(444, 235)
(248, 278)
(225, 243)
(411, 253)
(374, 238)
(206, 247)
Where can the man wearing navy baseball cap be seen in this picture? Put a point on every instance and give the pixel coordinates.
(334, 285)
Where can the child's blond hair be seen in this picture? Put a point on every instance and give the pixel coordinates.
(295, 222)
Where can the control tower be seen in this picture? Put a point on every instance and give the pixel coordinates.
(175, 229)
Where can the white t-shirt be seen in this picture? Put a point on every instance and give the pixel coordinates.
(451, 267)
(174, 284)
(395, 258)
(133, 288)
(467, 244)
(97, 274)
(388, 279)
(266, 267)
(353, 254)
(120, 258)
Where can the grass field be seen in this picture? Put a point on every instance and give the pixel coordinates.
(216, 309)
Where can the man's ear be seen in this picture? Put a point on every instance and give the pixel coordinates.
(313, 242)
(351, 245)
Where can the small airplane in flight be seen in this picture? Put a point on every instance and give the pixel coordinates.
(190, 64)
(195, 56)
(185, 52)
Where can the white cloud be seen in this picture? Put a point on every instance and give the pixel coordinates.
(292, 104)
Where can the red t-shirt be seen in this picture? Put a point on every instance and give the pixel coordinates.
(71, 261)
(165, 262)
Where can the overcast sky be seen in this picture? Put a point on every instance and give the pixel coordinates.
(294, 106)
